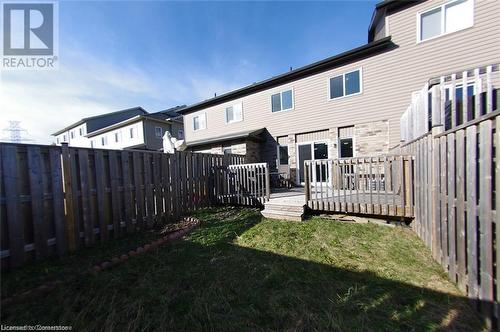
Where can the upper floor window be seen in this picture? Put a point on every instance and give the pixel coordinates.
(282, 101)
(117, 137)
(200, 122)
(104, 140)
(449, 17)
(72, 134)
(234, 113)
(57, 140)
(158, 132)
(131, 132)
(180, 134)
(345, 84)
(80, 131)
(64, 138)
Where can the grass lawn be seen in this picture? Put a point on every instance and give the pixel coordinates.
(241, 272)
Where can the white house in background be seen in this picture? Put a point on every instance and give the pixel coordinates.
(131, 129)
(75, 134)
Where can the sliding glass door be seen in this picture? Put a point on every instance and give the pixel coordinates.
(312, 151)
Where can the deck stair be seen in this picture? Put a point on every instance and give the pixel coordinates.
(285, 207)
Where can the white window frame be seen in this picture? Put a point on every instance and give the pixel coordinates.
(281, 100)
(278, 153)
(161, 132)
(201, 114)
(360, 69)
(233, 121)
(443, 21)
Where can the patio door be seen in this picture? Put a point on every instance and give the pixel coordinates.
(312, 151)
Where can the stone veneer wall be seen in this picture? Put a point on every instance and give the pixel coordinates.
(371, 138)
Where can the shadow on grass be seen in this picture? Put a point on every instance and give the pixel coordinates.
(207, 283)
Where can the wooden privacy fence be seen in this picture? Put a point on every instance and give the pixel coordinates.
(456, 198)
(368, 185)
(56, 199)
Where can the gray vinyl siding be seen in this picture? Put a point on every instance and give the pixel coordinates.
(153, 142)
(388, 80)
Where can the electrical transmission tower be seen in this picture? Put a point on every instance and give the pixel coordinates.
(14, 132)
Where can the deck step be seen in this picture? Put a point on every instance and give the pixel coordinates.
(284, 207)
(283, 215)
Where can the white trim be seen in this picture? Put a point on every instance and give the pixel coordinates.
(443, 20)
(232, 105)
(280, 92)
(328, 96)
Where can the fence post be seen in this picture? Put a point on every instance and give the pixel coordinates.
(68, 197)
(434, 153)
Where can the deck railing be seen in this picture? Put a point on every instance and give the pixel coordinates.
(370, 185)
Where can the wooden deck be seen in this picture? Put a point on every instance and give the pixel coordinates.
(371, 185)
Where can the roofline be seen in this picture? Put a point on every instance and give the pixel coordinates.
(96, 117)
(384, 6)
(308, 70)
(252, 134)
(134, 119)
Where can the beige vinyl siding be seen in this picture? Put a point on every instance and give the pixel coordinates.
(388, 80)
(311, 137)
(283, 140)
(346, 132)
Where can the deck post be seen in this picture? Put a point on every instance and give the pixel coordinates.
(268, 183)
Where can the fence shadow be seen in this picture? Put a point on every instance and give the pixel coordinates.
(208, 283)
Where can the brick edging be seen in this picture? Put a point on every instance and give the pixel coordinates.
(115, 261)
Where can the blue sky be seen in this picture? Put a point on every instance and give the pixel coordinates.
(115, 55)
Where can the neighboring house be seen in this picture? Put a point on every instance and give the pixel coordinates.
(143, 132)
(349, 104)
(133, 129)
(76, 134)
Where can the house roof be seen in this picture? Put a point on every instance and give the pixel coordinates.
(82, 121)
(134, 119)
(316, 67)
(250, 134)
(382, 8)
(170, 113)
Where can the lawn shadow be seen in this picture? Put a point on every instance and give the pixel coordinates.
(207, 283)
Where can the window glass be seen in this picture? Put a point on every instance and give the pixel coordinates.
(199, 122)
(283, 154)
(117, 137)
(336, 87)
(158, 132)
(287, 99)
(458, 15)
(227, 150)
(180, 134)
(346, 149)
(81, 131)
(229, 114)
(131, 132)
(430, 24)
(352, 83)
(276, 102)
